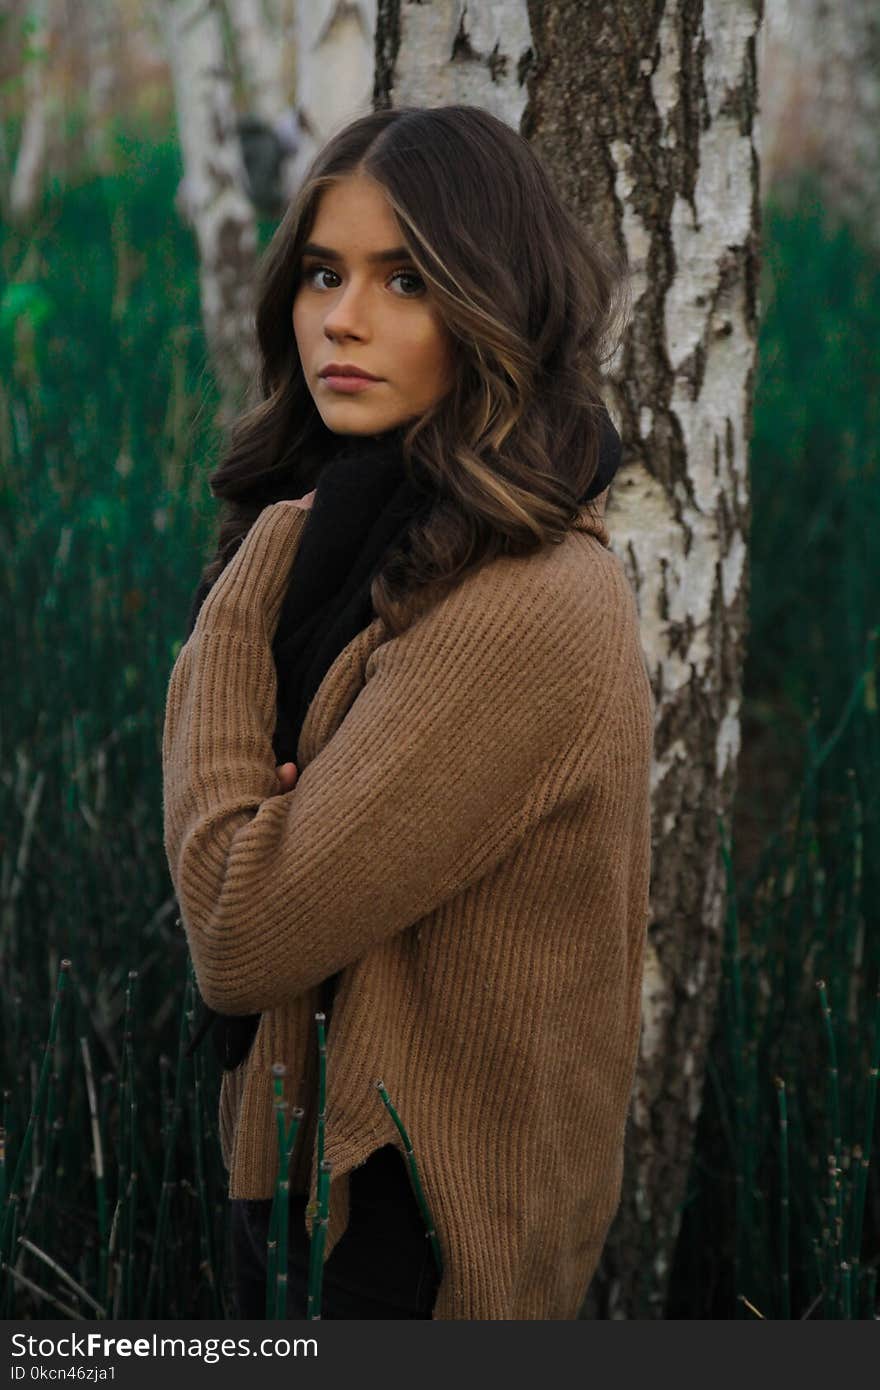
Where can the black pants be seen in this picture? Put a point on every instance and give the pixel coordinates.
(382, 1267)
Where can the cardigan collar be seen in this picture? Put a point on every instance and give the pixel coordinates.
(347, 674)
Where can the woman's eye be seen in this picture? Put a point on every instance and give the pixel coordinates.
(310, 272)
(409, 275)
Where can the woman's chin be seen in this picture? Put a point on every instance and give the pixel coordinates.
(358, 422)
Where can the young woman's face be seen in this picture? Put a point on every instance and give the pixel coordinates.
(354, 309)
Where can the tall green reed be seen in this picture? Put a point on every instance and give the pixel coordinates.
(794, 1007)
(105, 441)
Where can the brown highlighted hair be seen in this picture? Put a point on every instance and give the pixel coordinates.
(534, 309)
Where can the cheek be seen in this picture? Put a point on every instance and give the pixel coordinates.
(443, 359)
(434, 352)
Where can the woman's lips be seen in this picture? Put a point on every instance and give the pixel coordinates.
(349, 384)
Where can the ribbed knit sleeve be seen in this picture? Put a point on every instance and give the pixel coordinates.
(421, 789)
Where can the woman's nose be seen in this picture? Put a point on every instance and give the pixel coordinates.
(348, 314)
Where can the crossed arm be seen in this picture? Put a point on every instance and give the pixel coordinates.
(422, 789)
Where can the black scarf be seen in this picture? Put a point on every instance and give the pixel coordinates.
(364, 504)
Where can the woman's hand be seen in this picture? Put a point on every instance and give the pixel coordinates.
(287, 775)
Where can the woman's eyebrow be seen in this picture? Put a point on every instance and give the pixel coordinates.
(393, 253)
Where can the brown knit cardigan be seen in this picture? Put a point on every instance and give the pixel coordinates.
(468, 843)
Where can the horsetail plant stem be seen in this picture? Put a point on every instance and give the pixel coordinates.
(834, 1094)
(414, 1173)
(114, 1262)
(865, 1156)
(9, 1306)
(2, 1165)
(276, 1245)
(272, 1257)
(205, 1240)
(828, 1239)
(166, 1102)
(784, 1215)
(65, 1308)
(47, 1165)
(63, 1274)
(6, 1245)
(281, 1208)
(282, 1202)
(322, 1084)
(272, 1237)
(834, 1160)
(319, 1233)
(124, 1191)
(313, 1306)
(131, 1196)
(117, 1229)
(100, 1183)
(319, 1237)
(171, 1141)
(131, 1204)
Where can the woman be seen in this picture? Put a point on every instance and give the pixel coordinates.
(407, 744)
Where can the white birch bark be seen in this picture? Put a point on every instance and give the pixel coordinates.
(263, 42)
(215, 202)
(26, 184)
(102, 39)
(454, 52)
(667, 168)
(256, 27)
(335, 67)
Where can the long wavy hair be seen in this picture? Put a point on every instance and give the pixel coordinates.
(534, 309)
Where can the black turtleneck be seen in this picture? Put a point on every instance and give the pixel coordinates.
(363, 504)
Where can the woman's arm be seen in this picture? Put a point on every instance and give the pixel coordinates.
(420, 791)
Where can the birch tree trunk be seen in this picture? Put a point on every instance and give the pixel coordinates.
(26, 184)
(102, 41)
(646, 116)
(215, 202)
(335, 70)
(256, 27)
(264, 48)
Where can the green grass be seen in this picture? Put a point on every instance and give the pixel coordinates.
(106, 440)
